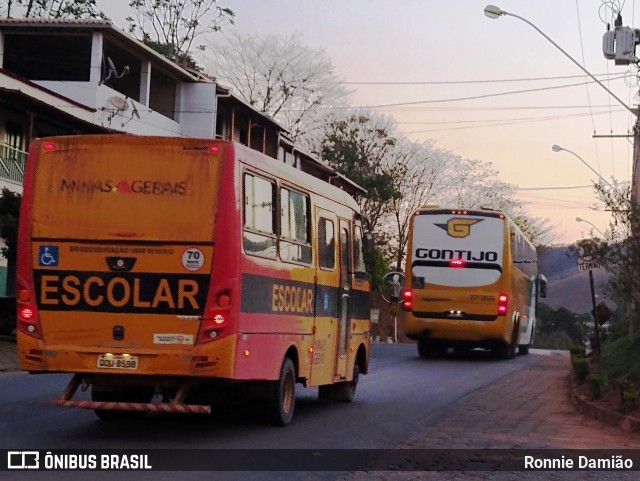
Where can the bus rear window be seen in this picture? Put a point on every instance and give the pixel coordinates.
(457, 251)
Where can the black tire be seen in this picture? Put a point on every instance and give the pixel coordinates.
(523, 349)
(508, 351)
(425, 351)
(342, 391)
(283, 400)
(7, 323)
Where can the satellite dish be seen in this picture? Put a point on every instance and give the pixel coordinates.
(118, 102)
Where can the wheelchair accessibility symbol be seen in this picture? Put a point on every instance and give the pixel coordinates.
(48, 256)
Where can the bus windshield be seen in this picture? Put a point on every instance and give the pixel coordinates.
(457, 251)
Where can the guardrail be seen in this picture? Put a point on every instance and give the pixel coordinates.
(12, 162)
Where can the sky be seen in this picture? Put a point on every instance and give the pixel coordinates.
(495, 90)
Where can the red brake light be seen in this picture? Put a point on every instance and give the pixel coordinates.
(26, 313)
(456, 263)
(211, 326)
(48, 146)
(406, 299)
(503, 304)
(214, 149)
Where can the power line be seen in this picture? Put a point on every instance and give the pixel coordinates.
(464, 82)
(477, 97)
(556, 188)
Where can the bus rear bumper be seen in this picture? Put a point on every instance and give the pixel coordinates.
(460, 331)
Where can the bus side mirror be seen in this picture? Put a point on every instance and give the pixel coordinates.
(542, 283)
(368, 250)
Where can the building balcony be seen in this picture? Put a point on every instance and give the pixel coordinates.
(12, 162)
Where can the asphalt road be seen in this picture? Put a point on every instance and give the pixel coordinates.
(401, 396)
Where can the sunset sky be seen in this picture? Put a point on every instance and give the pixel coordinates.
(492, 90)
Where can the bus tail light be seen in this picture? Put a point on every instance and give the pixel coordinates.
(406, 299)
(27, 319)
(211, 326)
(456, 263)
(503, 304)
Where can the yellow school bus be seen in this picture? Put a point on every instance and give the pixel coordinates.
(471, 281)
(165, 273)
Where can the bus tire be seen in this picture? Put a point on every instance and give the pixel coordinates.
(283, 398)
(508, 350)
(523, 349)
(425, 350)
(341, 391)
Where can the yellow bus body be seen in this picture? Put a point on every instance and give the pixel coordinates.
(470, 281)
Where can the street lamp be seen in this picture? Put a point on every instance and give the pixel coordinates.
(557, 148)
(580, 219)
(494, 12)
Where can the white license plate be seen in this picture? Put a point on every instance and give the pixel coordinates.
(117, 361)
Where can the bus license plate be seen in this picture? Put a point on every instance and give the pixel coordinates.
(117, 361)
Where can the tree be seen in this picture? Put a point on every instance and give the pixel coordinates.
(172, 26)
(621, 253)
(9, 214)
(475, 184)
(361, 146)
(418, 178)
(50, 9)
(279, 76)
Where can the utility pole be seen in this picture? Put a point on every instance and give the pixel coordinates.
(634, 212)
(619, 45)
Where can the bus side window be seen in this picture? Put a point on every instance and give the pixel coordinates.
(295, 238)
(326, 244)
(259, 219)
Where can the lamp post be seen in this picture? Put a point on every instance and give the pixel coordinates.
(495, 12)
(580, 219)
(557, 148)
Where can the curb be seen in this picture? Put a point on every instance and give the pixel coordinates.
(611, 418)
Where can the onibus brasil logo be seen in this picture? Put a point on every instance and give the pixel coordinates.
(459, 227)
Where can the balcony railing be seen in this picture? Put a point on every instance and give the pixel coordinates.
(12, 162)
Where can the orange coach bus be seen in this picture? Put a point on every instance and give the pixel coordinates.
(167, 272)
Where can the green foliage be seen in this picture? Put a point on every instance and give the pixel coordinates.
(629, 396)
(578, 351)
(9, 213)
(176, 24)
(552, 324)
(169, 51)
(619, 358)
(594, 383)
(380, 268)
(580, 367)
(61, 9)
(356, 146)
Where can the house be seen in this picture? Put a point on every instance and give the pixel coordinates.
(69, 77)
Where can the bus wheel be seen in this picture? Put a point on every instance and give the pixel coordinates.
(523, 349)
(342, 391)
(284, 395)
(424, 350)
(508, 350)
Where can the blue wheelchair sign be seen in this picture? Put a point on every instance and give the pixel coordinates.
(48, 256)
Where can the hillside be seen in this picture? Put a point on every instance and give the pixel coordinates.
(568, 287)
